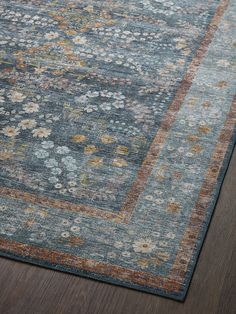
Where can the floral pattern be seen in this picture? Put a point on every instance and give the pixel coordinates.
(87, 92)
(78, 76)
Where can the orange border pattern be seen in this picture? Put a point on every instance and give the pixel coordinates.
(173, 283)
(187, 244)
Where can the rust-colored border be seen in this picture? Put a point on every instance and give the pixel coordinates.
(85, 264)
(50, 202)
(198, 214)
(142, 175)
(162, 133)
(174, 281)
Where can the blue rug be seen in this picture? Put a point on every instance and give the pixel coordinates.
(117, 126)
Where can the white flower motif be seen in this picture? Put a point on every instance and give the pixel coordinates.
(82, 99)
(223, 62)
(41, 132)
(58, 185)
(51, 163)
(90, 108)
(170, 235)
(105, 106)
(31, 107)
(47, 144)
(37, 237)
(77, 220)
(159, 201)
(148, 197)
(3, 208)
(11, 131)
(68, 160)
(143, 246)
(126, 254)
(79, 40)
(8, 230)
(41, 153)
(65, 222)
(27, 124)
(65, 234)
(71, 175)
(71, 167)
(62, 150)
(75, 228)
(51, 35)
(16, 96)
(118, 104)
(111, 255)
(53, 180)
(118, 244)
(56, 171)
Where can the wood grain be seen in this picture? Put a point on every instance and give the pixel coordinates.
(27, 289)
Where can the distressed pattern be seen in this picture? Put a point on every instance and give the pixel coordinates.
(116, 131)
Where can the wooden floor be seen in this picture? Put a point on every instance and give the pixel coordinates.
(26, 289)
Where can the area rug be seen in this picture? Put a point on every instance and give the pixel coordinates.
(117, 126)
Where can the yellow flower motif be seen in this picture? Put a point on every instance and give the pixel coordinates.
(143, 263)
(107, 139)
(81, 63)
(192, 101)
(156, 261)
(40, 70)
(78, 138)
(76, 241)
(197, 149)
(71, 32)
(193, 138)
(85, 180)
(181, 62)
(222, 84)
(29, 210)
(4, 155)
(206, 104)
(164, 256)
(122, 150)
(90, 149)
(98, 24)
(180, 45)
(173, 207)
(119, 162)
(204, 129)
(96, 161)
(89, 8)
(43, 213)
(186, 51)
(58, 72)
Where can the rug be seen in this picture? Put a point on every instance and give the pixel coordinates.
(117, 126)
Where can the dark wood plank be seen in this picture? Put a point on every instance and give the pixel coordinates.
(26, 289)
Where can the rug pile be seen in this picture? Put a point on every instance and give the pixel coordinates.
(117, 126)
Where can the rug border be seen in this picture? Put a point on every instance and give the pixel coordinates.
(181, 295)
(210, 210)
(177, 296)
(151, 157)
